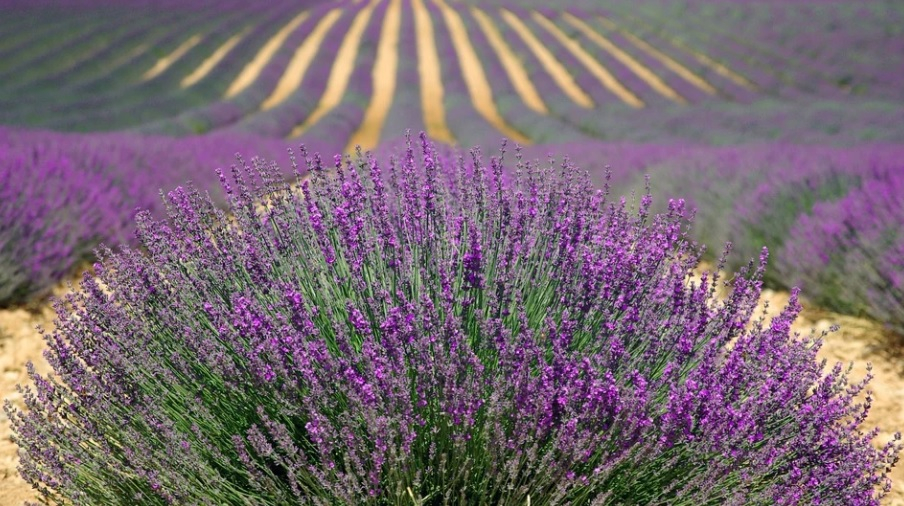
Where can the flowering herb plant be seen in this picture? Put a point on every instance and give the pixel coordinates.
(849, 253)
(435, 330)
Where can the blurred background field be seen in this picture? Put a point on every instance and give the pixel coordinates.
(781, 122)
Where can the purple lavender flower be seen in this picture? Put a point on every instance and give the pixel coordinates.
(62, 195)
(849, 253)
(428, 330)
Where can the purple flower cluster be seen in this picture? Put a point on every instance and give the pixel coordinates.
(61, 195)
(816, 207)
(52, 215)
(849, 254)
(432, 330)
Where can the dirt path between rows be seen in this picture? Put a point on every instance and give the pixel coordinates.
(430, 72)
(19, 343)
(383, 75)
(859, 341)
(253, 69)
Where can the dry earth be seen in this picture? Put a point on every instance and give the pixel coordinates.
(859, 341)
(19, 343)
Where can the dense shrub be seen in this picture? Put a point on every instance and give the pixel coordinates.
(61, 195)
(429, 332)
(765, 214)
(849, 254)
(755, 195)
(53, 213)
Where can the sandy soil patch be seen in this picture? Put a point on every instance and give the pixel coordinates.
(19, 343)
(430, 75)
(384, 81)
(250, 73)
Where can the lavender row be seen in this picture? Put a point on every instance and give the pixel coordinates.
(18, 60)
(117, 66)
(744, 91)
(249, 112)
(770, 37)
(622, 74)
(848, 254)
(539, 128)
(241, 113)
(160, 96)
(24, 79)
(636, 48)
(133, 101)
(466, 125)
(19, 45)
(332, 132)
(852, 56)
(406, 111)
(117, 98)
(160, 107)
(64, 194)
(832, 57)
(561, 107)
(770, 50)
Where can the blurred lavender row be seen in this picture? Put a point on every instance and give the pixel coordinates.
(61, 195)
(849, 254)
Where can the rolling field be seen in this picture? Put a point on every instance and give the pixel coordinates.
(535, 75)
(779, 124)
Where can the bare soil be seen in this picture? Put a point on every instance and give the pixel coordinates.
(19, 343)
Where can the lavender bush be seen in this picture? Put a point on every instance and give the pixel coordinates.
(433, 331)
(849, 254)
(61, 195)
(49, 225)
(755, 195)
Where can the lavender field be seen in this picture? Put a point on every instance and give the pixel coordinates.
(452, 252)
